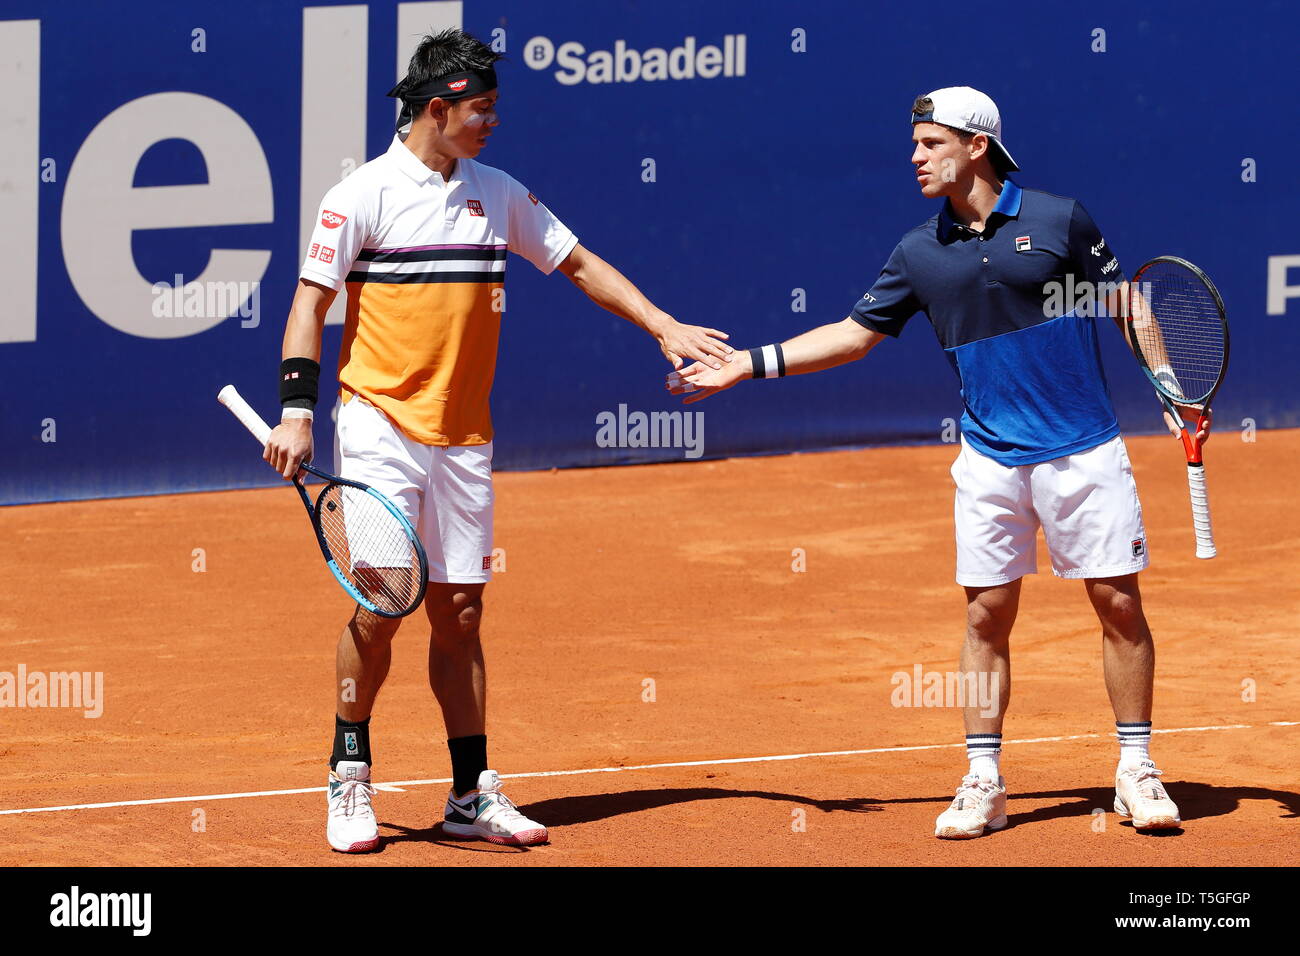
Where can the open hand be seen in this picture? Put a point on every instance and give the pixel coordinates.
(680, 342)
(700, 381)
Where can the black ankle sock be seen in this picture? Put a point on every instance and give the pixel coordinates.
(468, 760)
(351, 741)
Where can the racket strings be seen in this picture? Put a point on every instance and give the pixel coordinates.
(370, 547)
(1183, 333)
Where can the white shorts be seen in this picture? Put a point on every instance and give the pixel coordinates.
(445, 492)
(1086, 503)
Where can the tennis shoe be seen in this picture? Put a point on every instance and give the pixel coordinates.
(1141, 796)
(352, 826)
(485, 813)
(980, 804)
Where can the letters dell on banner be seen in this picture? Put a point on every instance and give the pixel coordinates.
(623, 64)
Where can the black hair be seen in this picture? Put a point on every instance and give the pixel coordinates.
(440, 54)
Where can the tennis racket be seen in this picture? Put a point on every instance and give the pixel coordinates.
(368, 544)
(1179, 332)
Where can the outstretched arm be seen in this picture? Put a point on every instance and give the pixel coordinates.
(817, 349)
(612, 290)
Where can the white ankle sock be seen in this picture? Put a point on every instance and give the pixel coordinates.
(984, 751)
(1134, 743)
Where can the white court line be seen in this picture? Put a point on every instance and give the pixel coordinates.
(397, 784)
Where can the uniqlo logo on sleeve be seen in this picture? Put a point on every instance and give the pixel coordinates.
(326, 254)
(332, 220)
(475, 207)
(487, 563)
(315, 247)
(532, 199)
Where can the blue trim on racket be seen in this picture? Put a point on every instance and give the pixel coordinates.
(231, 398)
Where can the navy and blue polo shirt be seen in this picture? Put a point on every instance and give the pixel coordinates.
(999, 301)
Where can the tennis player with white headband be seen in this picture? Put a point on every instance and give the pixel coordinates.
(419, 238)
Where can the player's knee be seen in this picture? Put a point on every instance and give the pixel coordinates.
(467, 620)
(456, 622)
(371, 630)
(990, 622)
(1122, 615)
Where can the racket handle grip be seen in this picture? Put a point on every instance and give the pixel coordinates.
(1201, 512)
(244, 412)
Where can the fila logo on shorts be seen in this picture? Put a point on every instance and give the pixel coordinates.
(424, 262)
(999, 509)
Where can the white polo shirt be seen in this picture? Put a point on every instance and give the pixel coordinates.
(424, 263)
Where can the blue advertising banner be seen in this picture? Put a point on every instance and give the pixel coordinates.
(745, 164)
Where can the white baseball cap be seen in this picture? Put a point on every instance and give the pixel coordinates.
(964, 108)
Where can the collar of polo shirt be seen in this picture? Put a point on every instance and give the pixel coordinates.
(414, 167)
(1008, 206)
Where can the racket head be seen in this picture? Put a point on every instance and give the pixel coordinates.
(369, 546)
(1179, 330)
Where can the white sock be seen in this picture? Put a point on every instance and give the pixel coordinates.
(1134, 743)
(984, 752)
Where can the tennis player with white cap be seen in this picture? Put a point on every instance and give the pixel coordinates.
(1040, 444)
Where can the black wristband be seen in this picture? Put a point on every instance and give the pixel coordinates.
(299, 382)
(768, 361)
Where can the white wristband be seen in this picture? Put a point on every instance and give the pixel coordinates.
(768, 361)
(290, 413)
(1164, 374)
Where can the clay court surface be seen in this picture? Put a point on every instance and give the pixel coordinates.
(221, 682)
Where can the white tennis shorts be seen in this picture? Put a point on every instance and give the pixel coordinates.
(445, 492)
(1086, 503)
